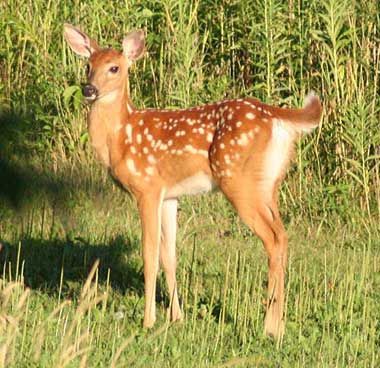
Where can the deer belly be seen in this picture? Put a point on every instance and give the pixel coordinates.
(198, 183)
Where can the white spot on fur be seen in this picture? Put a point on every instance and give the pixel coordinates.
(132, 168)
(151, 159)
(128, 130)
(243, 140)
(149, 170)
(250, 116)
(189, 148)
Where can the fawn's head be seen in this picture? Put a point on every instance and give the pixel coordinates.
(107, 69)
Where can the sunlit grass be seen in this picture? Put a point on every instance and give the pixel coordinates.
(332, 314)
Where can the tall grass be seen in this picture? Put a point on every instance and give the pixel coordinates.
(203, 51)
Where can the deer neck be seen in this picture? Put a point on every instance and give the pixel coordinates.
(106, 119)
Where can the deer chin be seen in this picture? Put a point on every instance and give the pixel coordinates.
(107, 97)
(90, 99)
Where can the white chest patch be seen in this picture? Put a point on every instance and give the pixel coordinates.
(195, 184)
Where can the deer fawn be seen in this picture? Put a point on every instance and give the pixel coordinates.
(242, 146)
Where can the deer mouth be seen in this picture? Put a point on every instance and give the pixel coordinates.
(90, 99)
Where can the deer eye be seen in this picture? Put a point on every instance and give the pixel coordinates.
(114, 69)
(87, 68)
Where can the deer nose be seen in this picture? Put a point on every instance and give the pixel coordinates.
(89, 91)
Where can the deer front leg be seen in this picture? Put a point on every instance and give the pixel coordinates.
(168, 255)
(150, 208)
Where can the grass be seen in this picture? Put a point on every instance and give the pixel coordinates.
(51, 315)
(71, 286)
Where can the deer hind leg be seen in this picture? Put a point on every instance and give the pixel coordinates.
(168, 255)
(259, 212)
(277, 262)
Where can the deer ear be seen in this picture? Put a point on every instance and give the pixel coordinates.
(133, 46)
(79, 42)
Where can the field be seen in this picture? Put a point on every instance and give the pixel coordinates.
(71, 284)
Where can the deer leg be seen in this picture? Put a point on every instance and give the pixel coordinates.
(278, 262)
(168, 255)
(150, 208)
(270, 231)
(262, 217)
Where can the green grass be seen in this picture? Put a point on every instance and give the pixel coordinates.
(332, 299)
(60, 213)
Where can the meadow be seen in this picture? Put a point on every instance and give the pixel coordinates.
(71, 284)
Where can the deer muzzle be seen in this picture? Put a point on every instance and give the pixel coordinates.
(90, 92)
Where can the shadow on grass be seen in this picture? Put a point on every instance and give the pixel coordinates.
(21, 182)
(42, 263)
(26, 182)
(25, 176)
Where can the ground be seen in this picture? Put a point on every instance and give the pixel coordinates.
(332, 314)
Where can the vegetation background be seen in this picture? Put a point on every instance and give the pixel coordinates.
(60, 212)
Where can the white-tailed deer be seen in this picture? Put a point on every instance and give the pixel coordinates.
(242, 146)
